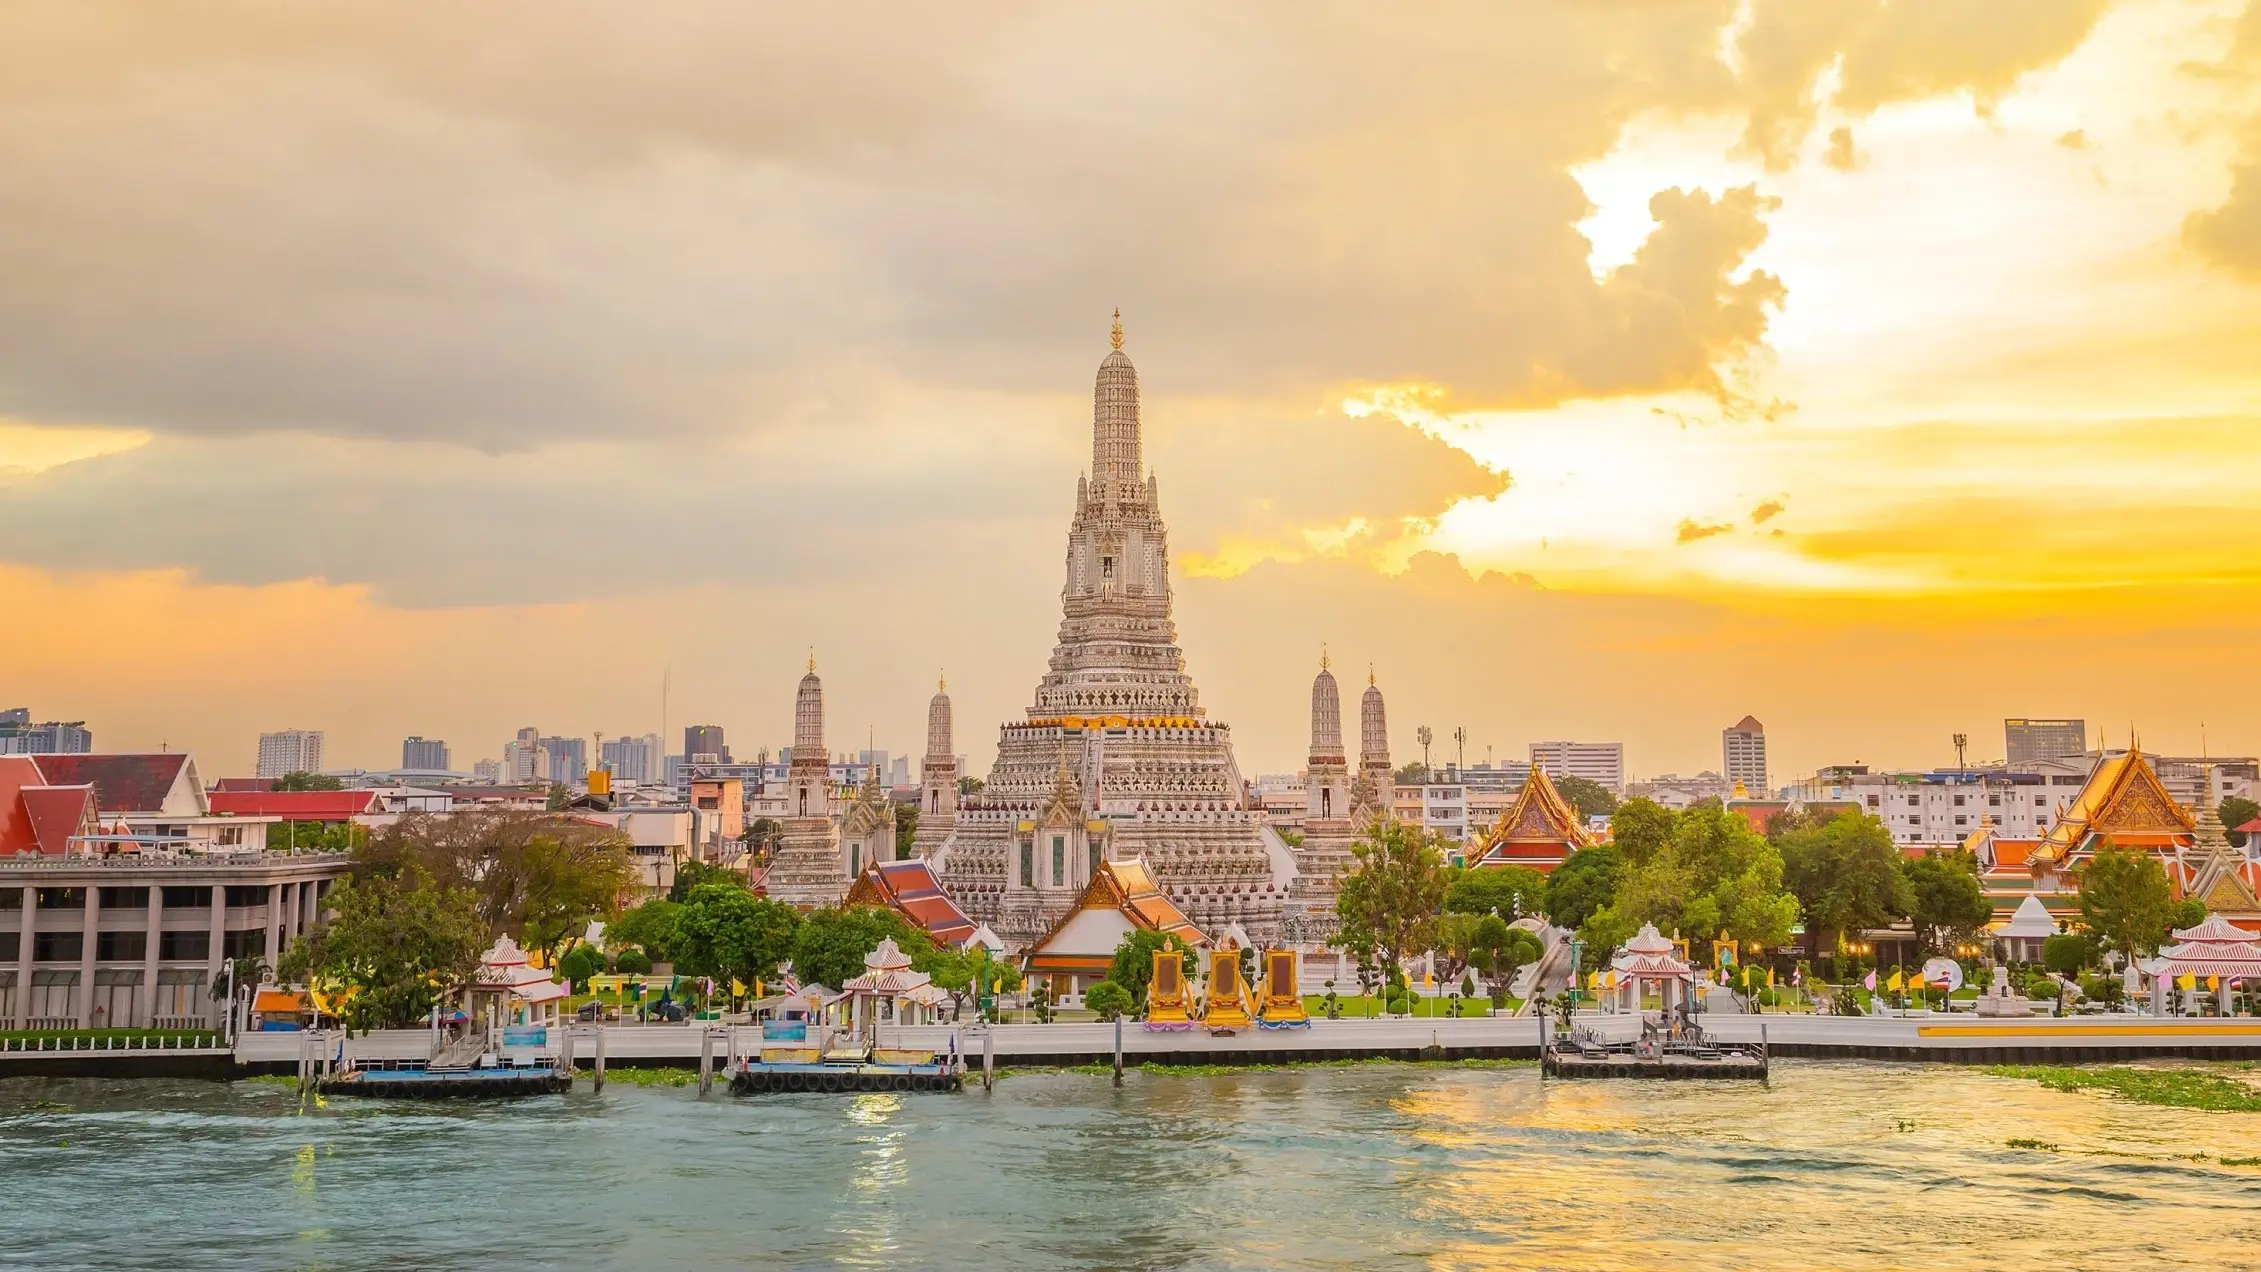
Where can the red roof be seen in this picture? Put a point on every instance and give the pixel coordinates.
(122, 783)
(57, 813)
(321, 806)
(909, 887)
(2250, 828)
(16, 831)
(244, 784)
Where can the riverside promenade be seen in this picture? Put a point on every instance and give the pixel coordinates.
(1939, 1037)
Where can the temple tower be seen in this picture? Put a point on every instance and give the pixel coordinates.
(1327, 772)
(1116, 756)
(1374, 793)
(938, 777)
(809, 868)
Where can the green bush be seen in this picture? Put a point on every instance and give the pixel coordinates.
(1107, 1000)
(1770, 997)
(631, 962)
(2102, 989)
(2067, 953)
(579, 964)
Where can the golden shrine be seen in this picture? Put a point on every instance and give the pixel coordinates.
(1226, 1008)
(1540, 829)
(1167, 1003)
(1279, 1000)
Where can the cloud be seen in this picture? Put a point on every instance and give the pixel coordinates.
(1690, 531)
(1877, 52)
(2077, 139)
(1766, 511)
(1841, 154)
(2229, 235)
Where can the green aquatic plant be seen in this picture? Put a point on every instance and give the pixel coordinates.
(2181, 1088)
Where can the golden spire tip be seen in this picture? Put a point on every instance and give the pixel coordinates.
(812, 658)
(1116, 337)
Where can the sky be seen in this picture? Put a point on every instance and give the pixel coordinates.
(1592, 370)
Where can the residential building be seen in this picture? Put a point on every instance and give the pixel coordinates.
(290, 751)
(488, 771)
(1742, 748)
(524, 759)
(632, 759)
(1674, 791)
(150, 802)
(705, 739)
(19, 736)
(568, 760)
(2026, 740)
(1601, 762)
(424, 754)
(1944, 806)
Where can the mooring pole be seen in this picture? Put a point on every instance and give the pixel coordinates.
(565, 1053)
(1118, 1050)
(706, 1061)
(600, 1058)
(988, 1057)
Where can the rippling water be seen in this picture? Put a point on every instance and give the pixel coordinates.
(1831, 1166)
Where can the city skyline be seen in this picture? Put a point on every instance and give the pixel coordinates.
(1591, 374)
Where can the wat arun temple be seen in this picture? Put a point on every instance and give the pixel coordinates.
(1117, 757)
(1115, 761)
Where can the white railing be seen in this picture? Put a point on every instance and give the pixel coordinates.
(207, 1041)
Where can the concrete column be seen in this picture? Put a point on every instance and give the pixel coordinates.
(281, 897)
(156, 940)
(91, 919)
(23, 958)
(219, 929)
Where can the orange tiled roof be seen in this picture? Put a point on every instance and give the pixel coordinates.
(2123, 799)
(910, 889)
(1540, 826)
(1128, 886)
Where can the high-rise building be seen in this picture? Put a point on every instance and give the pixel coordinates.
(290, 751)
(2026, 740)
(1602, 762)
(429, 754)
(634, 760)
(1742, 748)
(524, 759)
(487, 771)
(705, 739)
(568, 759)
(19, 736)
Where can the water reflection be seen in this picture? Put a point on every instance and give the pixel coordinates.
(1841, 1166)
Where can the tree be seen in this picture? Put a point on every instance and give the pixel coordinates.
(830, 945)
(536, 876)
(561, 797)
(728, 933)
(580, 963)
(395, 946)
(1108, 1000)
(250, 971)
(2067, 953)
(1945, 903)
(650, 927)
(314, 836)
(2236, 811)
(1639, 830)
(906, 829)
(2126, 900)
(1508, 891)
(1582, 884)
(1602, 932)
(301, 780)
(691, 874)
(1390, 900)
(1589, 797)
(2188, 913)
(970, 785)
(1133, 965)
(1845, 872)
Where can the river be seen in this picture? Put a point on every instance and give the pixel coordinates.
(1830, 1166)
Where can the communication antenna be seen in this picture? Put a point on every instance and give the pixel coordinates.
(1962, 742)
(1425, 735)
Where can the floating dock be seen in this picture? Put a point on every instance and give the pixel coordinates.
(1686, 1053)
(758, 1077)
(417, 1082)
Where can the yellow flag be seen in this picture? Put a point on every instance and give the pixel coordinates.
(1895, 984)
(1593, 980)
(758, 990)
(1770, 978)
(737, 988)
(2213, 982)
(2186, 981)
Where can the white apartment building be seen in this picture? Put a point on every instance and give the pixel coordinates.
(1742, 753)
(290, 751)
(1601, 762)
